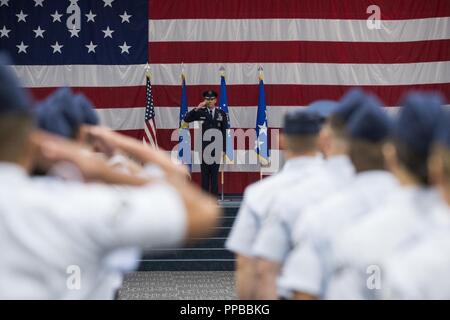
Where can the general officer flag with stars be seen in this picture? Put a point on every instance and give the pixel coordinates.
(223, 105)
(261, 144)
(184, 137)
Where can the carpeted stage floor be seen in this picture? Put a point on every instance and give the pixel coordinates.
(202, 272)
(178, 285)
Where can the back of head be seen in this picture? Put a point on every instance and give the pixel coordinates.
(89, 115)
(15, 115)
(335, 127)
(414, 132)
(441, 146)
(368, 129)
(348, 104)
(51, 114)
(13, 99)
(329, 144)
(63, 113)
(301, 130)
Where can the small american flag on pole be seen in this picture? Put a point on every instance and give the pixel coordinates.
(149, 136)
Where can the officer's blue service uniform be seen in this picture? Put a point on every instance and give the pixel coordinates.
(211, 119)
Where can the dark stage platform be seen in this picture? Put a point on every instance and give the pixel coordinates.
(208, 254)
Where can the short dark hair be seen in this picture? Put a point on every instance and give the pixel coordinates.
(416, 163)
(301, 143)
(366, 155)
(338, 126)
(444, 153)
(14, 134)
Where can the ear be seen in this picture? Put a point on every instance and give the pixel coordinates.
(436, 168)
(390, 157)
(282, 141)
(324, 141)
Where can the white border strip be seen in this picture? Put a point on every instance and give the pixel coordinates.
(37, 76)
(167, 117)
(297, 30)
(307, 73)
(238, 73)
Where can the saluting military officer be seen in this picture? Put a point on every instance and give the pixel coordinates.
(214, 126)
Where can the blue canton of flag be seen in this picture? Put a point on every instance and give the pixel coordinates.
(223, 104)
(65, 32)
(149, 126)
(261, 143)
(184, 137)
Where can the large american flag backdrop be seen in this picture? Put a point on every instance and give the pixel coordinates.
(309, 49)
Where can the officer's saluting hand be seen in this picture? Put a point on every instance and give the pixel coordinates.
(212, 118)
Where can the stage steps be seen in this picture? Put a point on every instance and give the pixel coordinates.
(208, 254)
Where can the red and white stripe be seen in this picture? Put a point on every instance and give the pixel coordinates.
(310, 49)
(150, 133)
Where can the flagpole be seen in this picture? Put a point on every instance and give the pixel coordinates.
(222, 73)
(151, 135)
(147, 75)
(223, 180)
(260, 76)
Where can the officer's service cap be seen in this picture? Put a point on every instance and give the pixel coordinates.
(210, 94)
(324, 107)
(13, 99)
(369, 123)
(349, 103)
(418, 120)
(302, 122)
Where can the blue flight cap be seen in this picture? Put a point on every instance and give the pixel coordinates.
(418, 119)
(89, 114)
(442, 134)
(13, 98)
(64, 100)
(349, 103)
(50, 119)
(369, 123)
(59, 114)
(302, 122)
(324, 107)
